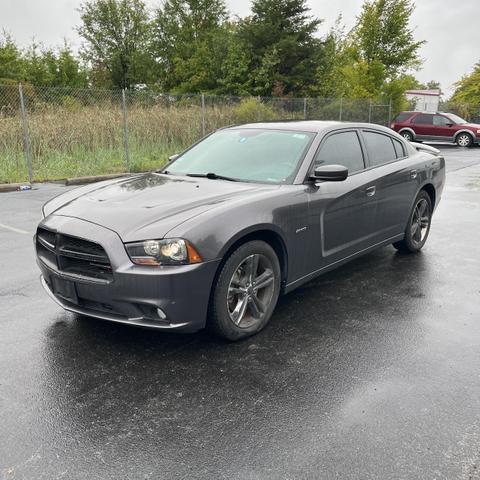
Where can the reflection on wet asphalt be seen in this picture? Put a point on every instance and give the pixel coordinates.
(370, 371)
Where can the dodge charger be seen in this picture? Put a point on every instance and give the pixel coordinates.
(248, 213)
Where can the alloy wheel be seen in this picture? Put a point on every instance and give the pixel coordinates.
(420, 222)
(250, 291)
(464, 140)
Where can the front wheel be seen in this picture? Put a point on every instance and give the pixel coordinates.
(246, 291)
(464, 140)
(418, 226)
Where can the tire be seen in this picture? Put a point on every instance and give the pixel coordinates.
(418, 226)
(407, 135)
(464, 140)
(238, 307)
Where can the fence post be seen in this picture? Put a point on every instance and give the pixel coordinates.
(370, 112)
(389, 112)
(26, 135)
(125, 130)
(305, 108)
(258, 108)
(341, 109)
(203, 115)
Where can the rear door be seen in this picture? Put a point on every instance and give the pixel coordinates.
(395, 181)
(423, 127)
(342, 213)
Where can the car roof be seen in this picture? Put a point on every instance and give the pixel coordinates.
(314, 126)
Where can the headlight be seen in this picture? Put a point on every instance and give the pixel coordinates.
(169, 251)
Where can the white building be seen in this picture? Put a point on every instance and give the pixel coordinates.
(424, 100)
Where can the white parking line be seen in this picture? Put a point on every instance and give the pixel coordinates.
(13, 229)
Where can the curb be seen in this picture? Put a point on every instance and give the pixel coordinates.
(14, 187)
(94, 178)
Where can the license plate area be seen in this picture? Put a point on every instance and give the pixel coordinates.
(65, 289)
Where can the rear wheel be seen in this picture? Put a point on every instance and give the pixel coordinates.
(418, 226)
(407, 135)
(246, 291)
(464, 140)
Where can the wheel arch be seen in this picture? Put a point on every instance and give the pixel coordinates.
(408, 129)
(260, 232)
(430, 189)
(465, 130)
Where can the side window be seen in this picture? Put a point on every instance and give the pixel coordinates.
(441, 121)
(402, 117)
(423, 119)
(341, 149)
(399, 150)
(380, 148)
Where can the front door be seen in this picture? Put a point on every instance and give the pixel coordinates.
(443, 127)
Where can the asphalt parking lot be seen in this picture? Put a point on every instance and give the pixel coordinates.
(369, 372)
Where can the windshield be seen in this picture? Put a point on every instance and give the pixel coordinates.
(255, 154)
(456, 119)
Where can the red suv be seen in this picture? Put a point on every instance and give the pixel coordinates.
(419, 126)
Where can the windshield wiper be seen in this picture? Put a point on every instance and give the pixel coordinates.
(212, 176)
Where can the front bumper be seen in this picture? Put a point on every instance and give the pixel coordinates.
(169, 298)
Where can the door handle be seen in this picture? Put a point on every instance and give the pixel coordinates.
(413, 174)
(370, 191)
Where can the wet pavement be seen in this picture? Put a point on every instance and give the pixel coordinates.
(369, 372)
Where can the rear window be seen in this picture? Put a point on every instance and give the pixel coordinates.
(398, 148)
(402, 117)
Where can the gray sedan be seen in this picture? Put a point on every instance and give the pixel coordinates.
(246, 214)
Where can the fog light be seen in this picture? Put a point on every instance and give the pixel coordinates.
(161, 314)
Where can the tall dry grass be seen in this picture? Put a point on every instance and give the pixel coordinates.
(84, 135)
(70, 139)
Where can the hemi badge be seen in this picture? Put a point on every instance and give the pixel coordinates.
(298, 230)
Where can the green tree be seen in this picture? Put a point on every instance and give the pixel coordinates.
(433, 85)
(383, 34)
(467, 93)
(117, 36)
(234, 78)
(379, 53)
(280, 38)
(11, 61)
(69, 71)
(327, 77)
(190, 43)
(38, 65)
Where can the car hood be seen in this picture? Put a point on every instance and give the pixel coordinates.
(150, 205)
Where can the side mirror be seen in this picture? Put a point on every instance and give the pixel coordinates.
(449, 124)
(173, 157)
(330, 173)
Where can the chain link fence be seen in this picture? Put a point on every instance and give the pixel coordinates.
(53, 133)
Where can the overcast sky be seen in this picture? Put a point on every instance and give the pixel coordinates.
(451, 28)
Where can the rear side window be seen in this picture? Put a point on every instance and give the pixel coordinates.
(423, 119)
(402, 117)
(380, 148)
(399, 150)
(441, 121)
(341, 149)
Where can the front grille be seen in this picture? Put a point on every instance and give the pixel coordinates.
(72, 255)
